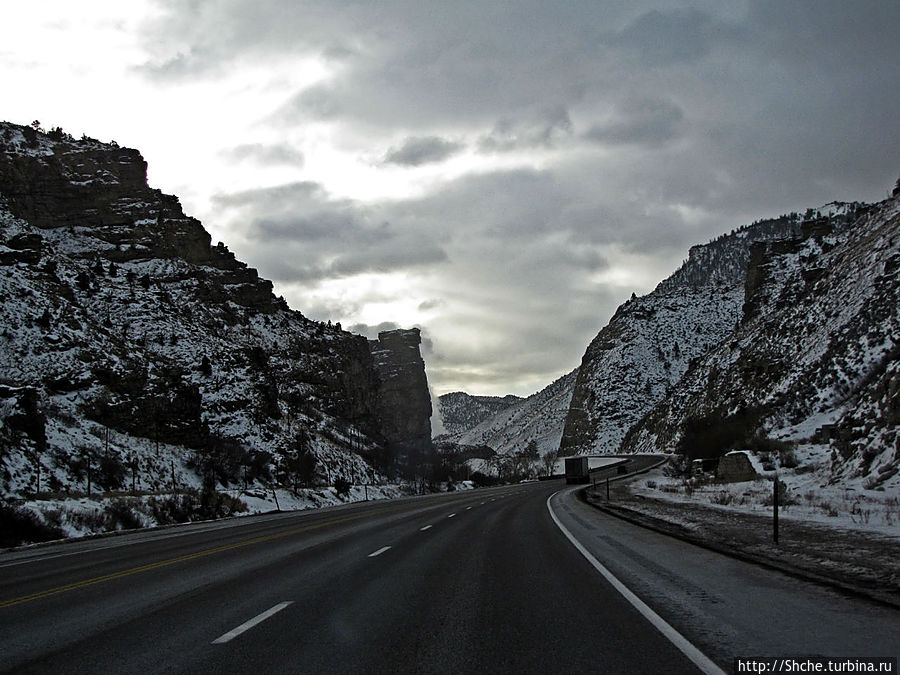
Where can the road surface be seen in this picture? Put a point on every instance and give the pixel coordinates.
(480, 581)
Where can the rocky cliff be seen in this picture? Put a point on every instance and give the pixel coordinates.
(134, 352)
(652, 341)
(813, 361)
(404, 402)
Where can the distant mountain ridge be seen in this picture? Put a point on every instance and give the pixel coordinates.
(537, 418)
(460, 411)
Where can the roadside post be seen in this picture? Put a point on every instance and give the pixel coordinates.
(775, 510)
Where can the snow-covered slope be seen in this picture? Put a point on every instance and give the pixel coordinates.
(651, 341)
(815, 358)
(641, 354)
(538, 418)
(134, 353)
(460, 411)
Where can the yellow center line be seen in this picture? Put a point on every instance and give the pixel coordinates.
(172, 561)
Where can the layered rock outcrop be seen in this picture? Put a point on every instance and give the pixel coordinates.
(404, 402)
(135, 342)
(653, 341)
(815, 358)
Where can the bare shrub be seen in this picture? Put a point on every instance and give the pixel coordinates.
(122, 514)
(723, 498)
(787, 458)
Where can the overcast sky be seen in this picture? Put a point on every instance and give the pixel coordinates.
(501, 174)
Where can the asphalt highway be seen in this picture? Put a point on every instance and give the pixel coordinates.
(468, 582)
(479, 581)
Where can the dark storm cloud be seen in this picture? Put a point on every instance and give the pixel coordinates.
(837, 35)
(401, 63)
(418, 150)
(430, 304)
(197, 62)
(544, 131)
(665, 37)
(654, 127)
(726, 70)
(650, 122)
(299, 192)
(303, 234)
(265, 155)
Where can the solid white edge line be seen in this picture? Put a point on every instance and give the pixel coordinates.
(379, 551)
(699, 659)
(247, 625)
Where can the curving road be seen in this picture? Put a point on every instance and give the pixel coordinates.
(467, 582)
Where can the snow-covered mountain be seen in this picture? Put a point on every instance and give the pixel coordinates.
(815, 359)
(538, 418)
(651, 341)
(133, 353)
(643, 353)
(460, 411)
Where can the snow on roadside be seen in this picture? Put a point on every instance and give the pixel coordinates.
(84, 516)
(263, 500)
(808, 498)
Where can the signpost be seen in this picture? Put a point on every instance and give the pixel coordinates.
(775, 510)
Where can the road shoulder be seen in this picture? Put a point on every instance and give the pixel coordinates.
(860, 563)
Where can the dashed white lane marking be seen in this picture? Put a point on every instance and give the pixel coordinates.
(427, 527)
(379, 551)
(468, 508)
(247, 625)
(701, 660)
(451, 515)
